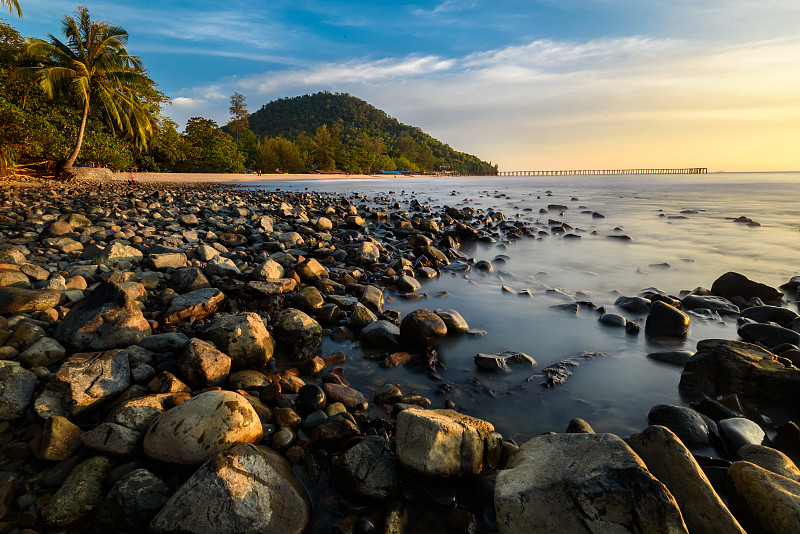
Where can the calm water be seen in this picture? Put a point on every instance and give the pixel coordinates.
(683, 237)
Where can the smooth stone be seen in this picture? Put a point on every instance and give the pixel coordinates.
(246, 489)
(764, 501)
(720, 305)
(221, 266)
(613, 319)
(60, 439)
(690, 426)
(203, 365)
(668, 459)
(733, 284)
(166, 342)
(311, 398)
(408, 284)
(310, 270)
(500, 362)
(579, 426)
(676, 357)
(421, 328)
(373, 298)
(582, 483)
(739, 431)
(361, 316)
(768, 334)
(308, 299)
(667, 321)
(20, 300)
(195, 305)
(80, 493)
(445, 443)
(352, 399)
(721, 367)
(244, 337)
(381, 334)
(633, 304)
(774, 314)
(44, 352)
(453, 320)
(368, 470)
(298, 336)
(119, 256)
(111, 438)
(17, 386)
(247, 379)
(770, 459)
(199, 428)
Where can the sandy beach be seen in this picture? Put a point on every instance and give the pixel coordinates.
(244, 178)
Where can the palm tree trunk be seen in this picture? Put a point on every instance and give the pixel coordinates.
(67, 167)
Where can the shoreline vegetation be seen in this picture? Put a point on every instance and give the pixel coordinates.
(162, 347)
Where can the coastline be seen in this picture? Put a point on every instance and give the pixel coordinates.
(167, 177)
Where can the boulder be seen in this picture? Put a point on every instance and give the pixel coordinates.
(133, 502)
(721, 367)
(501, 361)
(453, 321)
(221, 266)
(20, 300)
(44, 352)
(774, 314)
(381, 334)
(666, 321)
(421, 328)
(739, 431)
(690, 426)
(80, 493)
(107, 318)
(119, 256)
(299, 336)
(668, 459)
(361, 316)
(445, 443)
(368, 470)
(245, 490)
(195, 305)
(60, 439)
(199, 428)
(243, 337)
(769, 335)
(733, 284)
(84, 382)
(203, 365)
(763, 501)
(16, 390)
(633, 304)
(770, 459)
(113, 439)
(564, 483)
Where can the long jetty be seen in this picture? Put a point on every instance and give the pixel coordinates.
(690, 170)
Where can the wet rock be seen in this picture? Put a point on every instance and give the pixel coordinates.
(445, 443)
(194, 431)
(361, 316)
(80, 493)
(373, 298)
(582, 483)
(668, 459)
(299, 336)
(85, 382)
(421, 328)
(408, 284)
(579, 426)
(193, 306)
(17, 386)
(733, 284)
(764, 501)
(613, 319)
(720, 305)
(676, 357)
(308, 299)
(666, 321)
(311, 398)
(690, 426)
(453, 321)
(203, 365)
(765, 314)
(739, 431)
(768, 334)
(770, 459)
(369, 469)
(310, 270)
(502, 361)
(351, 398)
(381, 334)
(107, 318)
(722, 366)
(20, 300)
(243, 337)
(245, 489)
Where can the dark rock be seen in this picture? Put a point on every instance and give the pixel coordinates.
(666, 321)
(421, 328)
(691, 427)
(369, 469)
(501, 361)
(733, 284)
(720, 305)
(768, 334)
(738, 431)
(770, 314)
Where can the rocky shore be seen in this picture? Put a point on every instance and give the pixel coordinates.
(161, 370)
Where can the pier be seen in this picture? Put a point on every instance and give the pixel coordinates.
(690, 170)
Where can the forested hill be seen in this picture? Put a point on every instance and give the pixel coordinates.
(362, 136)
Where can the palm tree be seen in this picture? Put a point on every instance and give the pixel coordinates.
(94, 67)
(12, 5)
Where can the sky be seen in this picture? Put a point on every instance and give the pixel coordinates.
(526, 84)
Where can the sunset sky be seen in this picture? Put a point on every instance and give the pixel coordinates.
(548, 84)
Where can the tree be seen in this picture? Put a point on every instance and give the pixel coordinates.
(210, 149)
(94, 67)
(324, 148)
(239, 114)
(12, 5)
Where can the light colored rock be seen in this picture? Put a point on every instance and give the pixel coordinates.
(453, 320)
(193, 306)
(194, 431)
(20, 300)
(765, 502)
(668, 459)
(221, 266)
(444, 443)
(119, 256)
(203, 365)
(111, 438)
(243, 337)
(299, 336)
(16, 390)
(310, 270)
(246, 490)
(566, 483)
(770, 459)
(268, 270)
(60, 439)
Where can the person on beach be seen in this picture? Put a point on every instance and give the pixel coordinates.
(132, 178)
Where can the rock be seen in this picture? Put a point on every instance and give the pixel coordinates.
(119, 256)
(368, 470)
(766, 314)
(80, 493)
(221, 266)
(721, 367)
(84, 382)
(311, 398)
(770, 459)
(111, 438)
(352, 399)
(733, 284)
(9, 278)
(453, 321)
(20, 300)
(166, 342)
(668, 459)
(268, 270)
(408, 284)
(613, 319)
(765, 502)
(579, 426)
(666, 321)
(688, 425)
(381, 334)
(133, 501)
(60, 439)
(633, 304)
(196, 430)
(25, 335)
(16, 390)
(107, 318)
(372, 298)
(720, 305)
(677, 357)
(310, 270)
(501, 361)
(308, 299)
(188, 279)
(768, 334)
(445, 443)
(421, 328)
(174, 260)
(243, 337)
(195, 305)
(739, 431)
(582, 483)
(138, 413)
(44, 352)
(361, 316)
(203, 365)
(299, 336)
(247, 489)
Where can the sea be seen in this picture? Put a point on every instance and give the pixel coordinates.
(684, 235)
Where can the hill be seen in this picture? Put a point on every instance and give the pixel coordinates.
(346, 132)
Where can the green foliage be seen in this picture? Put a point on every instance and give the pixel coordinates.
(209, 149)
(276, 154)
(365, 133)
